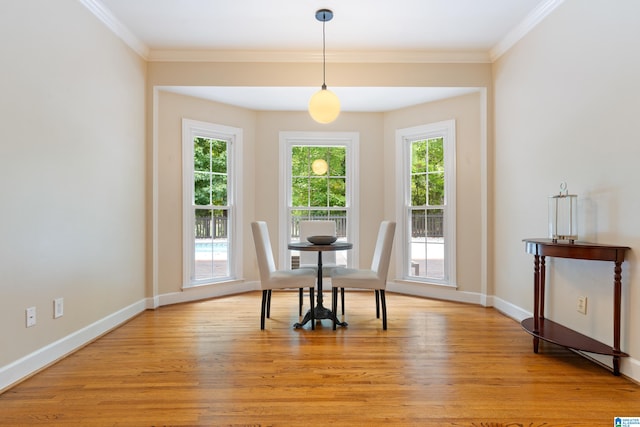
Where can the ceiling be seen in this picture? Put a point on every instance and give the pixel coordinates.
(287, 30)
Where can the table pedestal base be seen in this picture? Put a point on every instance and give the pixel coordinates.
(320, 312)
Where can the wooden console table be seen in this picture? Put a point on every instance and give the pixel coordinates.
(553, 332)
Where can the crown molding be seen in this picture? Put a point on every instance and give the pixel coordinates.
(118, 28)
(528, 24)
(397, 56)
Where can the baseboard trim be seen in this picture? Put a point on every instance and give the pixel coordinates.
(446, 293)
(510, 310)
(198, 293)
(630, 368)
(30, 364)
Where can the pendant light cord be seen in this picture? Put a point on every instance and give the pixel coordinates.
(324, 59)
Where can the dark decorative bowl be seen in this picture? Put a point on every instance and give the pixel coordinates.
(322, 240)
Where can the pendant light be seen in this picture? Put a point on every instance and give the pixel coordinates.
(324, 105)
(319, 166)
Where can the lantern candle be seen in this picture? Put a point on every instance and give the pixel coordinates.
(563, 214)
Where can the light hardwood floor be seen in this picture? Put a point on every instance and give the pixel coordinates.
(209, 364)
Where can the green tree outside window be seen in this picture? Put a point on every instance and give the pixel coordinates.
(310, 190)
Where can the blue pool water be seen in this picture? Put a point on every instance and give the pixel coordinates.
(211, 247)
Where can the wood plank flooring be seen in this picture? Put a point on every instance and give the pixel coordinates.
(209, 364)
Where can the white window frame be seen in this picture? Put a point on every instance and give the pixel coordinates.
(190, 130)
(445, 129)
(349, 140)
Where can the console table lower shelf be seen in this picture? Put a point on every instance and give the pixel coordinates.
(547, 330)
(555, 333)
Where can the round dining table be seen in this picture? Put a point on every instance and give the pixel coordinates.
(319, 311)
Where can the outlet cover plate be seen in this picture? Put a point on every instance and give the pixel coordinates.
(58, 307)
(31, 316)
(582, 305)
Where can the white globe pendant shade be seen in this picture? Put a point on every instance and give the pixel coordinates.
(319, 166)
(324, 106)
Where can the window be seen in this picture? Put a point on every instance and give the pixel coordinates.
(318, 184)
(427, 193)
(210, 212)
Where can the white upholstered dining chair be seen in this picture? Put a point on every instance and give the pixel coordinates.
(310, 259)
(270, 278)
(373, 278)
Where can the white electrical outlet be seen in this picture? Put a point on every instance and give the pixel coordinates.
(58, 307)
(31, 316)
(582, 305)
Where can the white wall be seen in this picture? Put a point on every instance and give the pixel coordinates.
(567, 99)
(72, 162)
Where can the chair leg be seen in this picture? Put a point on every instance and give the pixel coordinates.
(384, 309)
(377, 304)
(312, 311)
(300, 303)
(269, 305)
(334, 304)
(263, 308)
(342, 299)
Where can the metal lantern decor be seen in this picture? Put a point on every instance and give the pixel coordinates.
(563, 214)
